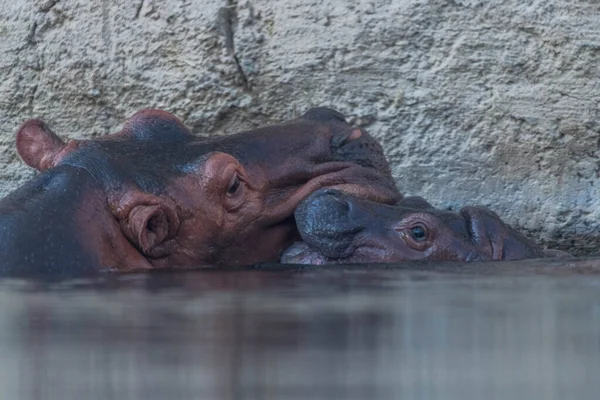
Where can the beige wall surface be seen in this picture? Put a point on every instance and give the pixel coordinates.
(475, 102)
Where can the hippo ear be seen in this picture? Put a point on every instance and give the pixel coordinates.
(415, 202)
(37, 145)
(150, 224)
(323, 114)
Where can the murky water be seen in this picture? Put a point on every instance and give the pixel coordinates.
(436, 331)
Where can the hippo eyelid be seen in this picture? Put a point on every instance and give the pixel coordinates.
(234, 185)
(234, 200)
(411, 221)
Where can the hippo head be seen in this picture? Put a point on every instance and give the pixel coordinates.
(340, 228)
(181, 200)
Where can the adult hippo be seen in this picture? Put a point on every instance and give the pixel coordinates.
(340, 228)
(153, 195)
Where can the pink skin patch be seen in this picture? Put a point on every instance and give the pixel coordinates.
(356, 133)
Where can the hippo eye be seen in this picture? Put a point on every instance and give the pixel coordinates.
(234, 185)
(418, 233)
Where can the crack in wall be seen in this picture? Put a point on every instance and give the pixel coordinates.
(227, 20)
(47, 6)
(106, 35)
(40, 23)
(31, 98)
(138, 10)
(31, 35)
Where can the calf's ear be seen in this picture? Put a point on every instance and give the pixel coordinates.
(415, 202)
(324, 114)
(37, 145)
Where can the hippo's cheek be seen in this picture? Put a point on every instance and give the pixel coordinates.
(385, 245)
(376, 249)
(302, 253)
(235, 239)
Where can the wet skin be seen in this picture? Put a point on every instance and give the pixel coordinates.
(340, 228)
(153, 195)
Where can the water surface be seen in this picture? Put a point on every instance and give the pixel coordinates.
(528, 330)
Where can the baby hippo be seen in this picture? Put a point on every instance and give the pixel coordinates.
(339, 228)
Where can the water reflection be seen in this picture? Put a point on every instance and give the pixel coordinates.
(347, 333)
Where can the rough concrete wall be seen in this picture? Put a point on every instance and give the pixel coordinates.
(489, 102)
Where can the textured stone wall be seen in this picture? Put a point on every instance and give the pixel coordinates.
(488, 102)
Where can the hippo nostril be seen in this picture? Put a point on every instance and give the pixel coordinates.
(340, 140)
(355, 134)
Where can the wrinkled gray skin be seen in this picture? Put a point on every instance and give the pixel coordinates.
(339, 228)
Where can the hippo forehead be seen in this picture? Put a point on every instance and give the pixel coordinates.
(152, 148)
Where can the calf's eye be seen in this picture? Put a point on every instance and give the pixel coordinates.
(418, 233)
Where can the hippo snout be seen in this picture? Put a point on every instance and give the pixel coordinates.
(325, 213)
(324, 219)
